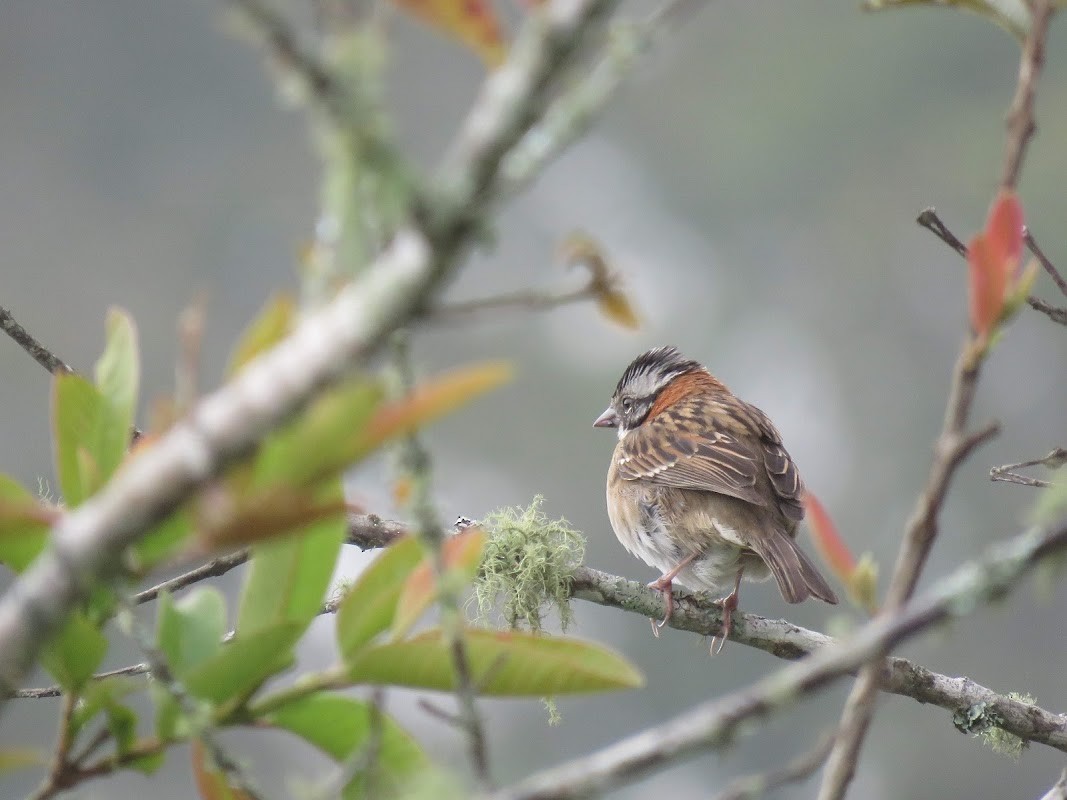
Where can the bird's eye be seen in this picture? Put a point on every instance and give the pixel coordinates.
(627, 405)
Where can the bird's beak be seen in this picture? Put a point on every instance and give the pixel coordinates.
(609, 419)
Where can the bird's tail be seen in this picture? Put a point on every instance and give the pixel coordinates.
(798, 578)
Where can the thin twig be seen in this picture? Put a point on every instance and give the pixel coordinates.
(364, 760)
(750, 787)
(58, 770)
(1020, 122)
(41, 354)
(929, 219)
(953, 445)
(522, 300)
(1050, 268)
(1054, 460)
(932, 222)
(190, 706)
(717, 723)
(1054, 313)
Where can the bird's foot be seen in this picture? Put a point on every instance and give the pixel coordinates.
(665, 586)
(729, 605)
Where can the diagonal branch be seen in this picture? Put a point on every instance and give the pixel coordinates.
(224, 426)
(716, 724)
(41, 354)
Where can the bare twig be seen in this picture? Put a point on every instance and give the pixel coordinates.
(1050, 268)
(164, 677)
(87, 544)
(953, 446)
(717, 723)
(1054, 460)
(1020, 123)
(954, 443)
(932, 222)
(41, 354)
(1057, 315)
(750, 787)
(58, 769)
(1058, 790)
(929, 219)
(523, 300)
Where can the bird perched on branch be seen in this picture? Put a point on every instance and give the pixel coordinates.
(700, 486)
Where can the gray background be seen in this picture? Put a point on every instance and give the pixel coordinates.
(756, 183)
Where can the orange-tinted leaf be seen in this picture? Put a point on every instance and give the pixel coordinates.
(401, 491)
(611, 300)
(986, 284)
(210, 783)
(461, 552)
(829, 543)
(472, 22)
(270, 327)
(1004, 233)
(429, 401)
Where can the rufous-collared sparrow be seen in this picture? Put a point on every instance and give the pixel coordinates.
(700, 486)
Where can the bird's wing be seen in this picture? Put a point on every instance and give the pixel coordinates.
(686, 449)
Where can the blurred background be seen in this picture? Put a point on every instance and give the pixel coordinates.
(756, 183)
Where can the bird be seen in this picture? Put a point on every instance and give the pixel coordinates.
(701, 488)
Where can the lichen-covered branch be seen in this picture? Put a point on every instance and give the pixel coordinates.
(24, 339)
(717, 723)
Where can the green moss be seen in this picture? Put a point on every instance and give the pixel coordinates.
(528, 564)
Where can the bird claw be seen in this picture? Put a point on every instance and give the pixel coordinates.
(664, 587)
(729, 605)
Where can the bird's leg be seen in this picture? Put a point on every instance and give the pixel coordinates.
(729, 605)
(664, 583)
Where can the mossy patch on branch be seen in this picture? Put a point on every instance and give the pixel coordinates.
(528, 564)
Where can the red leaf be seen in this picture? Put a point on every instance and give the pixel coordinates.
(461, 552)
(1004, 234)
(829, 543)
(986, 284)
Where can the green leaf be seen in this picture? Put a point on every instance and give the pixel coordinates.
(147, 764)
(122, 722)
(502, 663)
(319, 443)
(118, 377)
(24, 524)
(369, 606)
(170, 723)
(289, 576)
(270, 327)
(190, 630)
(75, 653)
(244, 663)
(162, 542)
(340, 726)
(77, 408)
(104, 695)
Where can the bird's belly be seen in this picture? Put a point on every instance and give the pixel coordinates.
(719, 552)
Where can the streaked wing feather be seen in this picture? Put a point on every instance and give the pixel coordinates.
(691, 457)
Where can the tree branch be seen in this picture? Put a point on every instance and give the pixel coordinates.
(41, 354)
(1054, 460)
(87, 544)
(1020, 123)
(755, 786)
(717, 723)
(929, 219)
